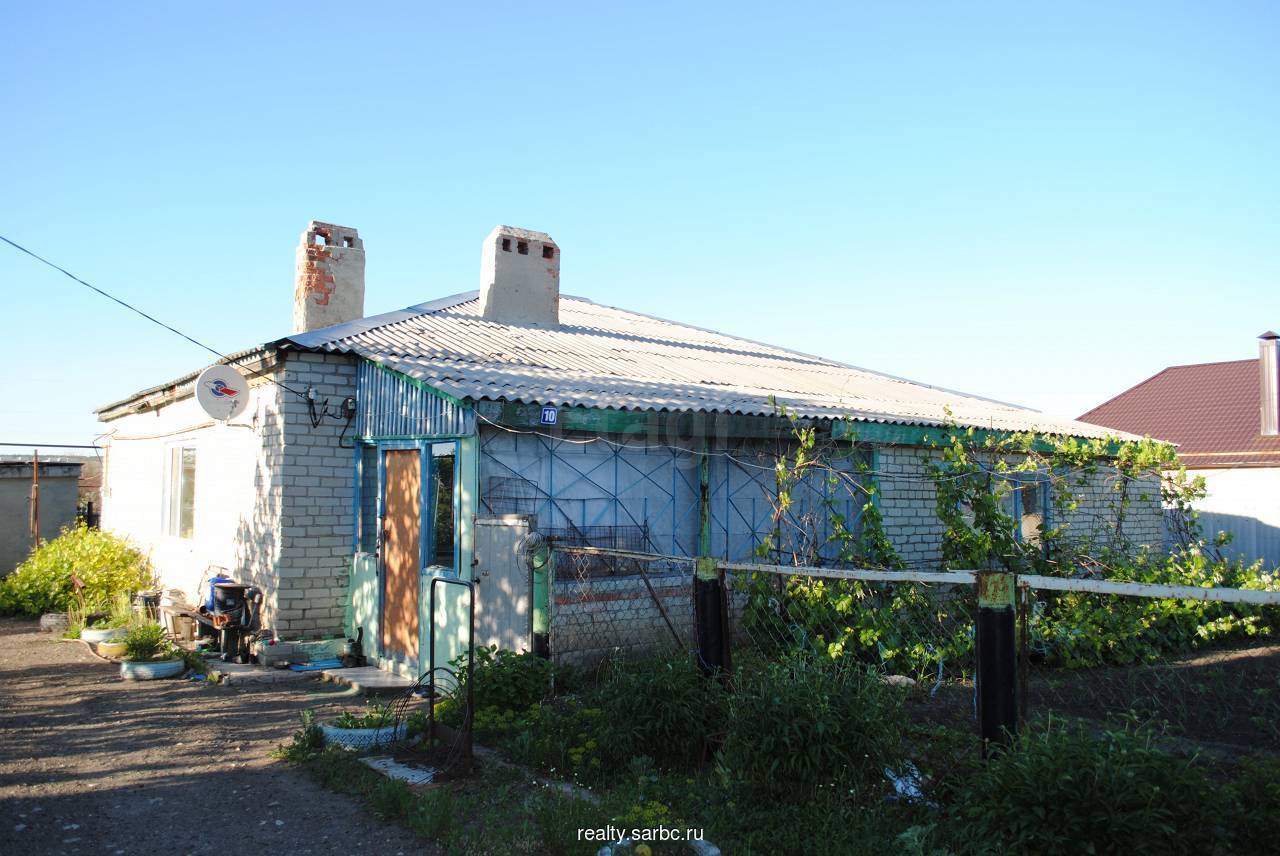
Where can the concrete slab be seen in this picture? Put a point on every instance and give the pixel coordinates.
(369, 680)
(246, 673)
(393, 769)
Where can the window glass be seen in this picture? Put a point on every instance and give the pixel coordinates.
(1024, 500)
(443, 458)
(369, 499)
(180, 490)
(1031, 512)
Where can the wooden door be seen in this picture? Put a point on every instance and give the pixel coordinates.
(401, 553)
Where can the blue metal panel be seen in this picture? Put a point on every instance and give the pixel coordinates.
(391, 405)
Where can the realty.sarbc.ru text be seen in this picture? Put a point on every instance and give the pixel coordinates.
(660, 833)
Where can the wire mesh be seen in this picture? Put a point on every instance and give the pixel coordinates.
(1204, 673)
(643, 606)
(629, 538)
(511, 495)
(917, 635)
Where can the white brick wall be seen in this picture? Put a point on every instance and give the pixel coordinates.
(908, 503)
(317, 493)
(273, 494)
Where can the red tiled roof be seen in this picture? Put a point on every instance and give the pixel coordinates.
(1211, 410)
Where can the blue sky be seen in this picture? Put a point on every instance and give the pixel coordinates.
(1039, 205)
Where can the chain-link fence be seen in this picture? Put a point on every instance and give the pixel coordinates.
(1205, 667)
(1207, 672)
(914, 629)
(607, 603)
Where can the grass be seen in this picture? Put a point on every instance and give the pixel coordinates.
(745, 799)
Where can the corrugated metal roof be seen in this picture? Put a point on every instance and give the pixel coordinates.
(601, 356)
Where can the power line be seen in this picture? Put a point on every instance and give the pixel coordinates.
(138, 311)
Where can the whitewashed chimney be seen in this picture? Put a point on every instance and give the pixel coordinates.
(1269, 378)
(329, 277)
(520, 278)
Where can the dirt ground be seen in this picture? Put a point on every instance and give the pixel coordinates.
(93, 764)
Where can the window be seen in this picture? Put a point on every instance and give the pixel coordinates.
(1027, 502)
(180, 492)
(443, 459)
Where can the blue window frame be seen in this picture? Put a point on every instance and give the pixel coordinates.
(439, 507)
(1028, 503)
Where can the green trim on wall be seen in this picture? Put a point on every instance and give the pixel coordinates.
(684, 424)
(892, 434)
(642, 422)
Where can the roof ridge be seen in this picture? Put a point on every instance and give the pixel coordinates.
(817, 358)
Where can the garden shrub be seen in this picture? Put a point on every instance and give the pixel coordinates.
(560, 735)
(374, 716)
(145, 642)
(505, 680)
(1257, 786)
(900, 629)
(1060, 788)
(1077, 629)
(808, 721)
(660, 707)
(105, 564)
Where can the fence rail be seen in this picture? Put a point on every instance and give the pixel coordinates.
(1085, 648)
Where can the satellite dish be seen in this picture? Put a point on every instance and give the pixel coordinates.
(223, 392)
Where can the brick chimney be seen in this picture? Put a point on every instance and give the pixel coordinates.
(1269, 378)
(520, 278)
(329, 277)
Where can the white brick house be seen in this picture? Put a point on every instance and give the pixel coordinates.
(371, 446)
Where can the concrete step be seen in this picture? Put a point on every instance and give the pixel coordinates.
(369, 680)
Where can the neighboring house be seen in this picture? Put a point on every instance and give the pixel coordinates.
(1223, 416)
(380, 453)
(58, 496)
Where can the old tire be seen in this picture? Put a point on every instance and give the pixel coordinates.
(111, 648)
(94, 635)
(54, 622)
(147, 670)
(363, 738)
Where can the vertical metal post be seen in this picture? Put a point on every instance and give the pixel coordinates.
(710, 606)
(1024, 651)
(543, 563)
(35, 499)
(704, 502)
(997, 658)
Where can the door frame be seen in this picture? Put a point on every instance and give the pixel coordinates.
(426, 532)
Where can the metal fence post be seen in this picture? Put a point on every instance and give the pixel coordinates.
(542, 564)
(997, 658)
(710, 608)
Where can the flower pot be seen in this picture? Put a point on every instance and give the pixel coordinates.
(363, 738)
(95, 635)
(146, 670)
(112, 648)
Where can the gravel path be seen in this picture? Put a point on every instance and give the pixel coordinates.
(92, 764)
